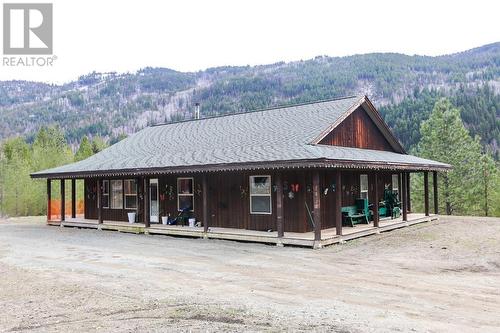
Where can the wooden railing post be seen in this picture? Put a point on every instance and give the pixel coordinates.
(73, 198)
(404, 199)
(205, 203)
(49, 199)
(337, 211)
(147, 215)
(426, 193)
(376, 218)
(317, 209)
(408, 190)
(63, 200)
(435, 185)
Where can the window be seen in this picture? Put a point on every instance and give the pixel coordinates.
(116, 194)
(363, 186)
(395, 184)
(260, 194)
(185, 194)
(130, 193)
(105, 194)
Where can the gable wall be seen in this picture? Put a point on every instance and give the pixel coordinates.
(357, 130)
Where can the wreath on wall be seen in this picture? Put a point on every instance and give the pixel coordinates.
(167, 193)
(91, 192)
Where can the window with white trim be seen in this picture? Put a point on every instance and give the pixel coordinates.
(363, 186)
(260, 195)
(185, 194)
(116, 194)
(130, 187)
(105, 194)
(395, 184)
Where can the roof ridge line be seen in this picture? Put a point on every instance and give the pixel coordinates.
(261, 110)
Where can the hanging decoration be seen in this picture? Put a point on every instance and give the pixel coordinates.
(91, 192)
(167, 193)
(243, 192)
(199, 191)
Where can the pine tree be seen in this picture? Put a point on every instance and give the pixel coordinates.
(85, 150)
(445, 139)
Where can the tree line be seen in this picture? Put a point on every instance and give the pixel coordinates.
(19, 194)
(472, 187)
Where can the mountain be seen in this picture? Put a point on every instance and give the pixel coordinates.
(403, 87)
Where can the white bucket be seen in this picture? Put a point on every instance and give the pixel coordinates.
(192, 221)
(164, 220)
(131, 217)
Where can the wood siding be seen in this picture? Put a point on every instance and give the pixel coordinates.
(229, 199)
(357, 130)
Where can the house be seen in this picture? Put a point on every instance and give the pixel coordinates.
(307, 174)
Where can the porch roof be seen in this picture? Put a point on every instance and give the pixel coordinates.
(275, 138)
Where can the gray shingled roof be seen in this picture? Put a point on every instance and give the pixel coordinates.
(278, 136)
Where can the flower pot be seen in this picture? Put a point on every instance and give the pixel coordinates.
(164, 220)
(131, 217)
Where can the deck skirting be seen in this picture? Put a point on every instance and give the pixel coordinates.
(291, 239)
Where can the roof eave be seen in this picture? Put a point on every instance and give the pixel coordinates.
(289, 164)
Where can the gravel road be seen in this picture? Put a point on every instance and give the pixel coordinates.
(442, 277)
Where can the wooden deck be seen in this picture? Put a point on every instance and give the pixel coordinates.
(328, 236)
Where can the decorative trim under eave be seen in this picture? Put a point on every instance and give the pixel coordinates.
(282, 165)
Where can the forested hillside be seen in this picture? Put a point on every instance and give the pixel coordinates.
(405, 88)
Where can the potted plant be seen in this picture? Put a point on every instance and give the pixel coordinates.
(131, 217)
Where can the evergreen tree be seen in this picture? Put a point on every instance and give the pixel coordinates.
(98, 144)
(445, 139)
(85, 150)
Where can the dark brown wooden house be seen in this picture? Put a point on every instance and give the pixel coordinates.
(283, 172)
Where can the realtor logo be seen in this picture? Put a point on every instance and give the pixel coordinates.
(27, 28)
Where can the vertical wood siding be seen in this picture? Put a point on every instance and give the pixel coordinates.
(357, 130)
(229, 198)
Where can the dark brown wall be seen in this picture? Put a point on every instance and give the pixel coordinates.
(107, 213)
(357, 130)
(229, 202)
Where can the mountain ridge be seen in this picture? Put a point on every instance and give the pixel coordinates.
(111, 104)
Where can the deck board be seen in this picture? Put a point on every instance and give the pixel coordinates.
(328, 236)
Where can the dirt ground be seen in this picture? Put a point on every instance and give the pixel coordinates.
(440, 277)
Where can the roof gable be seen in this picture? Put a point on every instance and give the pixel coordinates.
(361, 126)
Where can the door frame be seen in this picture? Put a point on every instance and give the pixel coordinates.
(154, 218)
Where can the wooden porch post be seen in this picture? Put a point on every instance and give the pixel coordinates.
(146, 202)
(408, 189)
(49, 199)
(404, 200)
(435, 185)
(205, 202)
(73, 198)
(279, 206)
(376, 200)
(317, 207)
(99, 200)
(426, 193)
(337, 211)
(63, 200)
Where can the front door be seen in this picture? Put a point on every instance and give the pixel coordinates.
(153, 201)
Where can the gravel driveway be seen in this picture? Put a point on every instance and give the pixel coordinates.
(439, 276)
